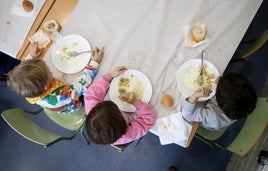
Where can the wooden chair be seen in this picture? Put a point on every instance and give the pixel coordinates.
(254, 46)
(20, 122)
(248, 136)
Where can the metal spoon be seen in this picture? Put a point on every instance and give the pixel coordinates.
(74, 54)
(200, 78)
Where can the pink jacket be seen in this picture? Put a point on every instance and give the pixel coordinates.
(137, 127)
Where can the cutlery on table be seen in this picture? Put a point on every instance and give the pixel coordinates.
(74, 54)
(200, 78)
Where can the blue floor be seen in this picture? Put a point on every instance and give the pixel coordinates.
(19, 154)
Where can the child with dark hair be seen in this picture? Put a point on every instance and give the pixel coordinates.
(105, 123)
(33, 80)
(235, 98)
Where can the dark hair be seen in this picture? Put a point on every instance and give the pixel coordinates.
(235, 95)
(105, 123)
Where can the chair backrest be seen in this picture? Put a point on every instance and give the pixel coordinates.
(252, 129)
(122, 147)
(19, 121)
(256, 45)
(72, 121)
(208, 134)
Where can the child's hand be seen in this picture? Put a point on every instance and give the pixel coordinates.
(217, 79)
(97, 55)
(35, 51)
(118, 71)
(204, 92)
(130, 98)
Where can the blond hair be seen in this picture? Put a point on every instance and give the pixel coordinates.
(29, 78)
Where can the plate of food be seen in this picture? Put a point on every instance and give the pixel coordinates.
(130, 81)
(188, 74)
(70, 43)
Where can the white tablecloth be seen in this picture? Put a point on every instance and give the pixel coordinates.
(14, 28)
(153, 30)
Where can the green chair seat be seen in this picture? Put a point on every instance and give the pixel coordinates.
(208, 136)
(248, 136)
(72, 121)
(19, 121)
(252, 130)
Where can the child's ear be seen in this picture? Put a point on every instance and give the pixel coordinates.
(46, 87)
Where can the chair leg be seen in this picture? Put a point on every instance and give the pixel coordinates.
(208, 142)
(211, 143)
(33, 112)
(82, 133)
(137, 141)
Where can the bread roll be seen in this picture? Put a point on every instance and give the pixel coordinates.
(27, 5)
(50, 26)
(41, 38)
(198, 33)
(167, 101)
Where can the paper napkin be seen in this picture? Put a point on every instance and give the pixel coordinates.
(173, 129)
(189, 42)
(18, 10)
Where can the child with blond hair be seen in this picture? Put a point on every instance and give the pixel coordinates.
(33, 80)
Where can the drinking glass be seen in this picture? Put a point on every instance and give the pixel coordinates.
(135, 58)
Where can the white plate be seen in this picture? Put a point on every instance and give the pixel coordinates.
(70, 43)
(137, 80)
(182, 72)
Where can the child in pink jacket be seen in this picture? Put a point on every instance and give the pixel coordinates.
(105, 123)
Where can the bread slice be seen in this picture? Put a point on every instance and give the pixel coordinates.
(198, 33)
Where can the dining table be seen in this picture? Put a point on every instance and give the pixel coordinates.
(150, 36)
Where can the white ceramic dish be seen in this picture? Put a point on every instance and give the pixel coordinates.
(138, 80)
(181, 73)
(69, 43)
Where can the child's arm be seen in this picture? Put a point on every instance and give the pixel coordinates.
(89, 73)
(204, 92)
(98, 89)
(140, 126)
(190, 111)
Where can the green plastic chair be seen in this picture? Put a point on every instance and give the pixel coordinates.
(252, 130)
(20, 122)
(73, 121)
(248, 136)
(122, 147)
(254, 46)
(209, 137)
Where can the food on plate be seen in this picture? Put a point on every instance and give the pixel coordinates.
(41, 38)
(69, 47)
(192, 75)
(198, 33)
(130, 84)
(27, 5)
(167, 101)
(51, 26)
